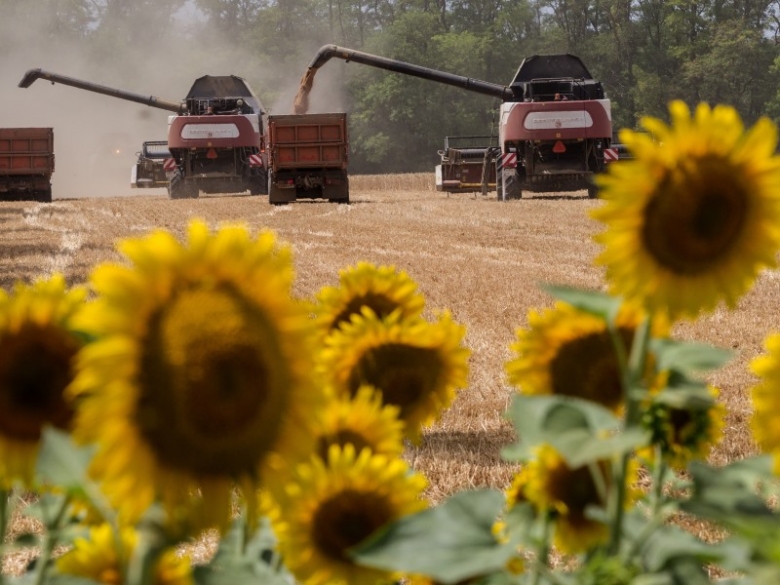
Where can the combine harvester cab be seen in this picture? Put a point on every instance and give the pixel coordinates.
(215, 136)
(545, 144)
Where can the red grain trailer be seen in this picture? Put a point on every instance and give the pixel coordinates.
(26, 164)
(307, 157)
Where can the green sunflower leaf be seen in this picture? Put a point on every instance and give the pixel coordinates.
(580, 450)
(728, 494)
(547, 419)
(596, 303)
(60, 461)
(686, 395)
(239, 561)
(450, 543)
(688, 357)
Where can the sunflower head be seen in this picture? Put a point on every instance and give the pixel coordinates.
(383, 289)
(102, 557)
(332, 506)
(693, 218)
(38, 348)
(683, 435)
(566, 351)
(765, 422)
(565, 493)
(416, 365)
(200, 376)
(362, 421)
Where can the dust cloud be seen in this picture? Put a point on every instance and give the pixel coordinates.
(97, 137)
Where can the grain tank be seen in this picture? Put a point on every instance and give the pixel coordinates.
(215, 135)
(555, 120)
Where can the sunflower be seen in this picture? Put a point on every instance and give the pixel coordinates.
(97, 558)
(765, 421)
(568, 352)
(383, 289)
(565, 493)
(38, 348)
(695, 216)
(684, 434)
(200, 377)
(362, 421)
(416, 365)
(331, 507)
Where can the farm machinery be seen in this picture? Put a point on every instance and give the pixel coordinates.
(215, 135)
(555, 120)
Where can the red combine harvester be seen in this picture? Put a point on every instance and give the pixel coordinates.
(555, 121)
(215, 137)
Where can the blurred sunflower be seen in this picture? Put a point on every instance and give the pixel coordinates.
(565, 493)
(362, 421)
(383, 289)
(200, 377)
(683, 434)
(694, 217)
(332, 507)
(568, 352)
(765, 395)
(97, 558)
(38, 348)
(416, 365)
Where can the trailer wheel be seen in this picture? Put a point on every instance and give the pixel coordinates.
(44, 195)
(593, 191)
(338, 193)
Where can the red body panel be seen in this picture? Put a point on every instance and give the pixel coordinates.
(553, 120)
(308, 141)
(222, 136)
(26, 151)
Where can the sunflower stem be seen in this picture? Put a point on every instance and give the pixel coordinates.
(632, 376)
(543, 554)
(50, 542)
(4, 495)
(658, 480)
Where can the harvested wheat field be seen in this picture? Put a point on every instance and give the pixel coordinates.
(479, 258)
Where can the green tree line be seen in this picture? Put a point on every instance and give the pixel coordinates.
(646, 52)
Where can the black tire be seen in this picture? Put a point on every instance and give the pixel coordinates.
(44, 196)
(510, 186)
(258, 184)
(178, 188)
(593, 191)
(339, 193)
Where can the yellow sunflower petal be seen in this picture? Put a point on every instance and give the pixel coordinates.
(569, 352)
(416, 365)
(693, 219)
(565, 493)
(331, 507)
(383, 289)
(39, 345)
(201, 375)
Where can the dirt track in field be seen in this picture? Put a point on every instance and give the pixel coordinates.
(479, 258)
